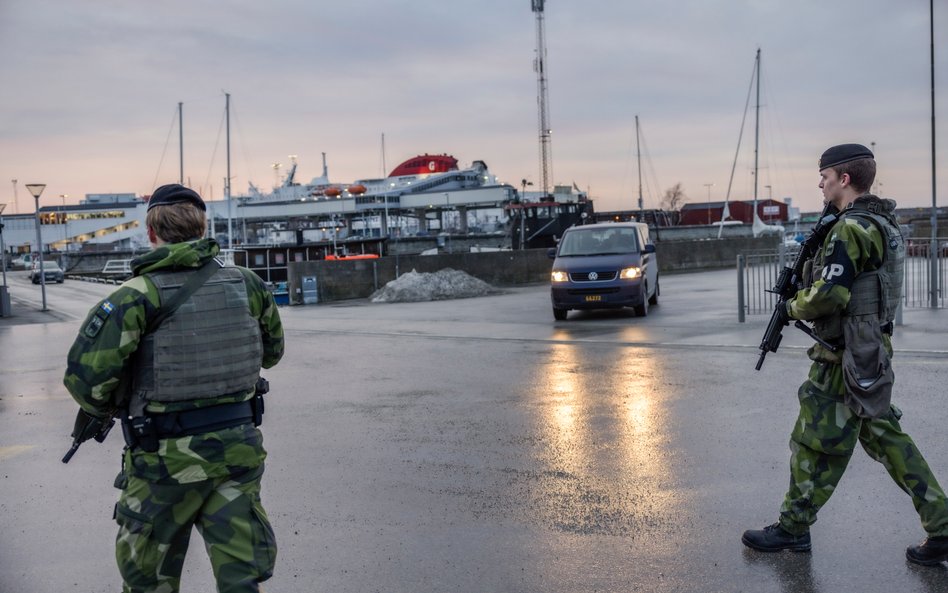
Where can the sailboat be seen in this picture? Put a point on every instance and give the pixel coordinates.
(758, 227)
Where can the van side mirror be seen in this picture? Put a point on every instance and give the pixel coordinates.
(551, 253)
(649, 248)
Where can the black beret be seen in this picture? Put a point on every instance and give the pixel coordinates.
(843, 153)
(174, 194)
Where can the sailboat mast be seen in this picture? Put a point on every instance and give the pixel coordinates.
(638, 156)
(180, 142)
(230, 233)
(757, 131)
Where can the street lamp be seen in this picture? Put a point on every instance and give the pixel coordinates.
(4, 298)
(523, 212)
(36, 189)
(709, 186)
(65, 222)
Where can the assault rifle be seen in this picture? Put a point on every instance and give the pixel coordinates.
(789, 282)
(88, 427)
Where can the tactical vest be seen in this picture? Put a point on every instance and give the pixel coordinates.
(874, 292)
(208, 348)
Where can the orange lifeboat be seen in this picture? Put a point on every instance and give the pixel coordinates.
(356, 189)
(356, 256)
(332, 192)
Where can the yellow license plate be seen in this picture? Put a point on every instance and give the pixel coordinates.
(592, 298)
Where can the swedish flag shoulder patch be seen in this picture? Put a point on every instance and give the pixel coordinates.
(95, 324)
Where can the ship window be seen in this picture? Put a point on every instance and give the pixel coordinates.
(258, 260)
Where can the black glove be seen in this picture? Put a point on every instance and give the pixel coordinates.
(783, 314)
(88, 426)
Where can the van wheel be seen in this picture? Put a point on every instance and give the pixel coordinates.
(560, 314)
(642, 310)
(653, 300)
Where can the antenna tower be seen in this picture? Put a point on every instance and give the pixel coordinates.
(539, 65)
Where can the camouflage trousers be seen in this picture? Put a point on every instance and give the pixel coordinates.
(822, 444)
(155, 521)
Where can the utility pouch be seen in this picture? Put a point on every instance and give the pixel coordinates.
(143, 433)
(867, 367)
(256, 404)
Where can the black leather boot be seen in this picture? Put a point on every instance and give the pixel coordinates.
(775, 538)
(932, 551)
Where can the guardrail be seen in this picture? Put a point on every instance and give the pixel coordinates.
(96, 279)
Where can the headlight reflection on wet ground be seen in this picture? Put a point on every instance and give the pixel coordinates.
(606, 455)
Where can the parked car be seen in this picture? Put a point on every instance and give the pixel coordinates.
(51, 271)
(21, 262)
(604, 266)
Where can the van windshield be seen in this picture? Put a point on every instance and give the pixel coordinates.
(600, 241)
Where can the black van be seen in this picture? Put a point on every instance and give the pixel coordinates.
(604, 266)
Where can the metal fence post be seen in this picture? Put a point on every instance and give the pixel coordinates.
(740, 288)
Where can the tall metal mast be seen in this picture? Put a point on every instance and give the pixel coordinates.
(230, 230)
(757, 131)
(546, 158)
(934, 283)
(180, 142)
(638, 156)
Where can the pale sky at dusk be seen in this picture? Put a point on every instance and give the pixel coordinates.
(91, 88)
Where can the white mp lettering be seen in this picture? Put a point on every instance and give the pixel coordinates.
(832, 271)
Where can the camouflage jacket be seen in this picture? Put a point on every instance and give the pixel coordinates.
(854, 245)
(110, 335)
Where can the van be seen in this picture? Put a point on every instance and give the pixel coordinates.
(604, 266)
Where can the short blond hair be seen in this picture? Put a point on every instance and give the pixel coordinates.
(177, 223)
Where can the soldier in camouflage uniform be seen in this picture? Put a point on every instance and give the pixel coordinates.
(863, 249)
(185, 391)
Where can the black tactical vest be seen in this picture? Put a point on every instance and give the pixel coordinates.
(210, 347)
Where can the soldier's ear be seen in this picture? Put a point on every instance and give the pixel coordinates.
(152, 237)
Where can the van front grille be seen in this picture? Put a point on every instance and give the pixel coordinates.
(605, 276)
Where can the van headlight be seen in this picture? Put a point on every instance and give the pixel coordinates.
(559, 276)
(631, 273)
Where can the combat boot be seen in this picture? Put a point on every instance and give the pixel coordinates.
(932, 551)
(775, 538)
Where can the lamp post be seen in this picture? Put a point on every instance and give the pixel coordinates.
(709, 186)
(64, 221)
(36, 189)
(523, 212)
(770, 196)
(4, 298)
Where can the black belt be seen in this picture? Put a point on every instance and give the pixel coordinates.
(201, 420)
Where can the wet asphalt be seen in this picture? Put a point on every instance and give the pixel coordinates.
(476, 445)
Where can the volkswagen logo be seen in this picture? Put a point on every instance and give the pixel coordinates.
(593, 276)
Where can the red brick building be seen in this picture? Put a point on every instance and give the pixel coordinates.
(769, 211)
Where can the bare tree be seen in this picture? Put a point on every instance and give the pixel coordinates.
(674, 197)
